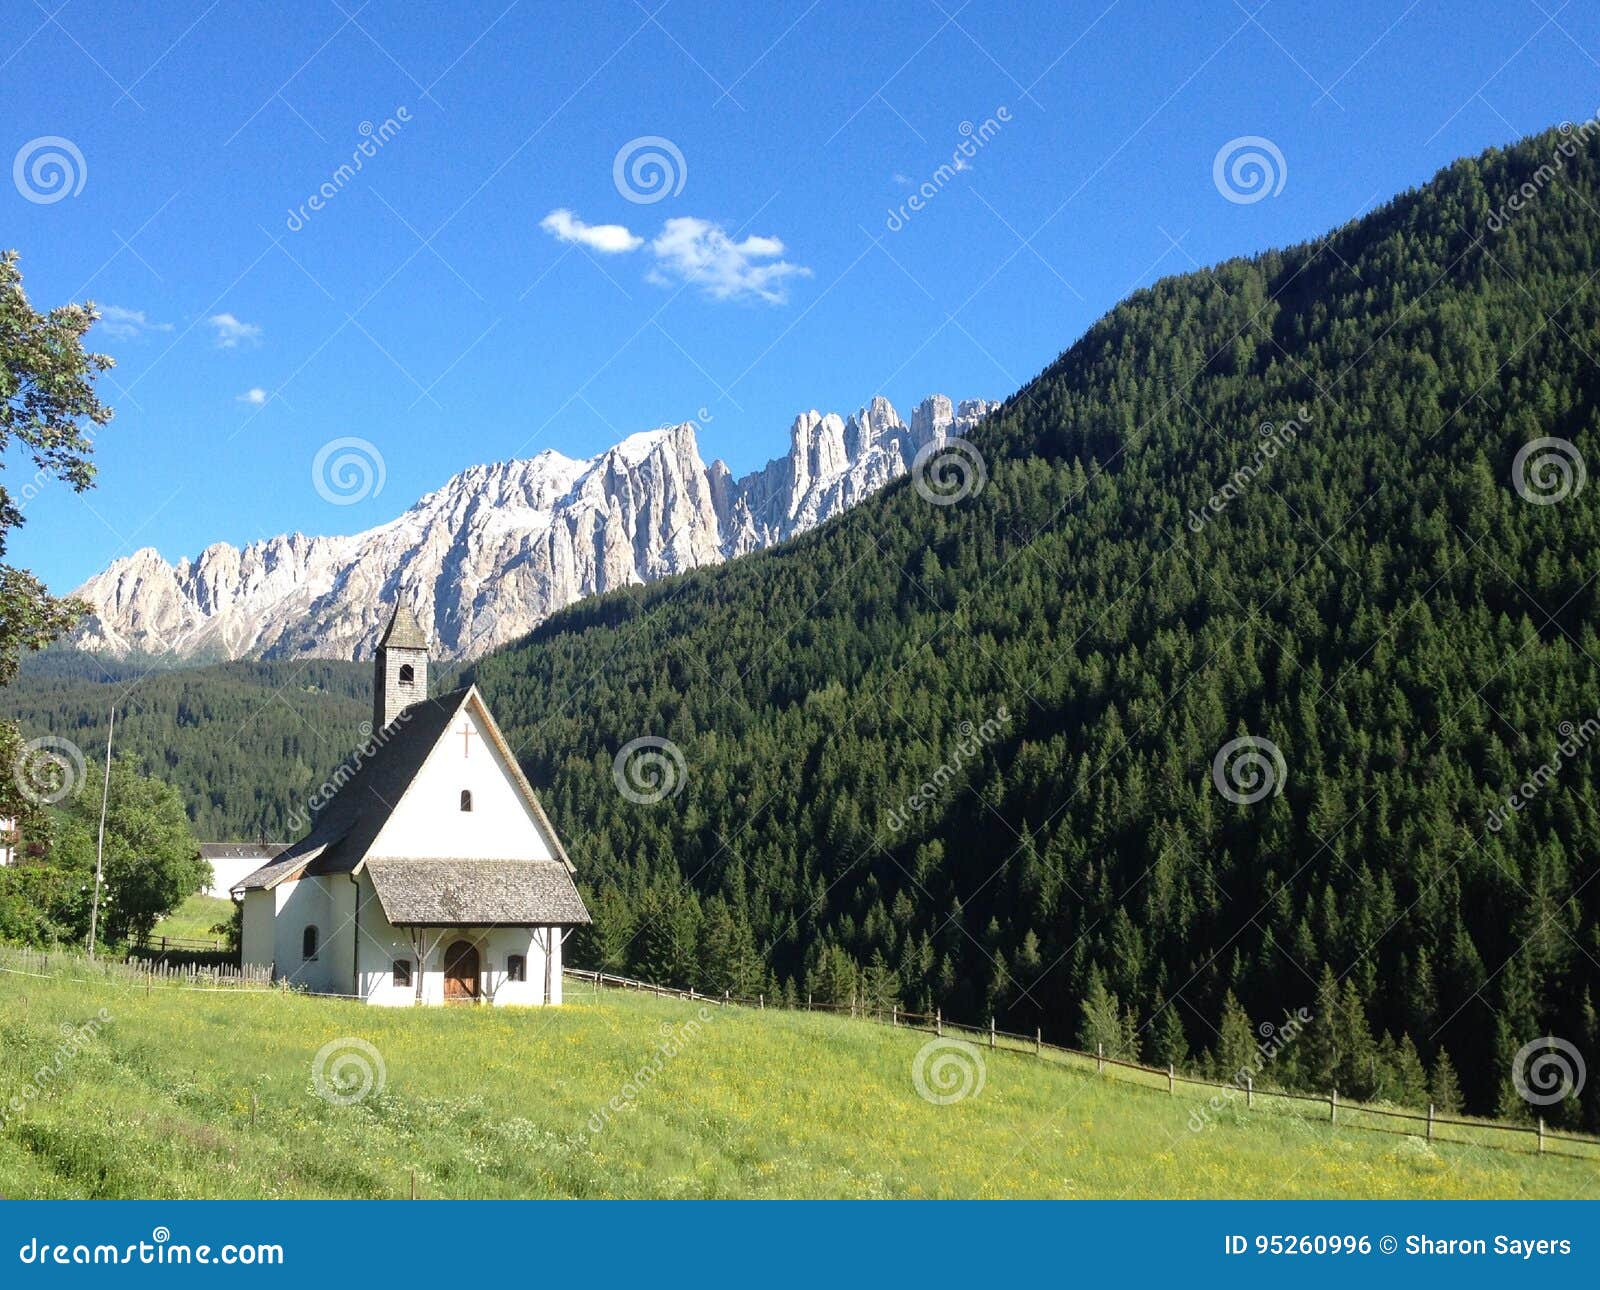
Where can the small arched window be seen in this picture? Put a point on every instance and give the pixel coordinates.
(308, 943)
(516, 967)
(408, 674)
(466, 799)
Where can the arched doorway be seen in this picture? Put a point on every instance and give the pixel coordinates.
(461, 973)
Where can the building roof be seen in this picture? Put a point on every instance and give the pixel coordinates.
(241, 850)
(447, 892)
(368, 787)
(403, 632)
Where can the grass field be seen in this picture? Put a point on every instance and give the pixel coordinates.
(194, 919)
(195, 1093)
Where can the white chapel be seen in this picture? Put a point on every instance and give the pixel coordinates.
(430, 873)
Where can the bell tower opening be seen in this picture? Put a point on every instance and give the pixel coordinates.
(400, 667)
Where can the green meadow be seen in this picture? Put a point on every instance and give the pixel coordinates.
(173, 1092)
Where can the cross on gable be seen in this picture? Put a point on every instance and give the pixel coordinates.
(466, 733)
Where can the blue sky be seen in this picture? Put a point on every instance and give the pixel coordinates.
(484, 288)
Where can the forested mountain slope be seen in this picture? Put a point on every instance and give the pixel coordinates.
(245, 743)
(1373, 594)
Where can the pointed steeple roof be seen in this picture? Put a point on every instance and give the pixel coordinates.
(403, 632)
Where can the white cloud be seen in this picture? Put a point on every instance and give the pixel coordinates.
(608, 239)
(231, 333)
(255, 396)
(127, 324)
(700, 252)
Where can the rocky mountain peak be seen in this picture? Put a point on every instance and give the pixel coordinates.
(498, 548)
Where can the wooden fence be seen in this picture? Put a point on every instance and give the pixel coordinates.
(1431, 1126)
(219, 976)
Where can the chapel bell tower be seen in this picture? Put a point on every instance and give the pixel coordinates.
(400, 667)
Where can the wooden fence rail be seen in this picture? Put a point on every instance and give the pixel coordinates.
(1340, 1112)
(220, 976)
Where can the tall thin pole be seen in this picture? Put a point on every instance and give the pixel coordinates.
(100, 845)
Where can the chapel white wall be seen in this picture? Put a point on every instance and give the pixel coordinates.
(429, 820)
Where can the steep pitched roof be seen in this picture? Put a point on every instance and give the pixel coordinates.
(475, 893)
(370, 785)
(403, 632)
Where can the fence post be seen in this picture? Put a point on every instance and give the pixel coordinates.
(894, 1014)
(1172, 1079)
(413, 1184)
(1430, 1121)
(1038, 1041)
(808, 1000)
(991, 1032)
(938, 1022)
(1541, 1135)
(763, 1002)
(1100, 1057)
(1333, 1107)
(1249, 1091)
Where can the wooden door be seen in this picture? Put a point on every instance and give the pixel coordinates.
(461, 973)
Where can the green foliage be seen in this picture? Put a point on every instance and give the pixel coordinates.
(1380, 603)
(152, 864)
(245, 744)
(211, 1094)
(46, 393)
(1375, 598)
